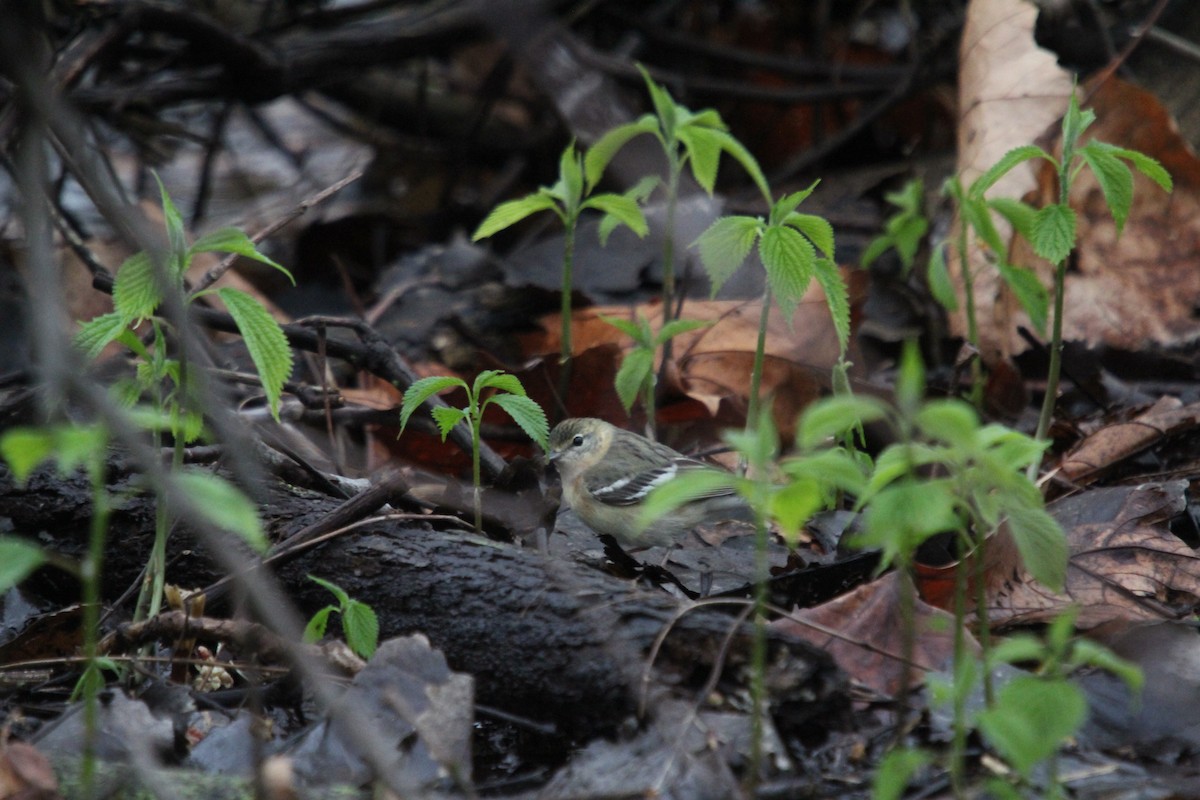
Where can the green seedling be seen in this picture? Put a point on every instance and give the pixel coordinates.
(500, 388)
(360, 626)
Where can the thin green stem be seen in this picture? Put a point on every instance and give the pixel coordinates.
(972, 323)
(674, 169)
(958, 747)
(758, 645)
(91, 570)
(983, 627)
(1060, 277)
(760, 348)
(476, 416)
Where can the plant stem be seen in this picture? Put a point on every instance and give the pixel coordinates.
(760, 348)
(91, 616)
(758, 645)
(972, 322)
(958, 748)
(476, 417)
(1056, 343)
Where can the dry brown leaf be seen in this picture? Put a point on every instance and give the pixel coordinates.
(869, 644)
(1124, 564)
(1117, 441)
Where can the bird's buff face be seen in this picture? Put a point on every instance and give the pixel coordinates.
(576, 443)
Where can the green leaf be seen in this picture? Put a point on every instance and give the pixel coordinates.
(135, 289)
(636, 369)
(25, 448)
(830, 417)
(678, 326)
(896, 771)
(625, 210)
(528, 415)
(342, 597)
(361, 627)
(1042, 545)
(223, 505)
(910, 381)
(1143, 163)
(786, 205)
(603, 151)
(979, 217)
(1054, 232)
(1115, 179)
(1031, 719)
(422, 390)
(725, 245)
(1002, 167)
(314, 631)
(940, 285)
(511, 212)
(175, 231)
(902, 516)
(874, 249)
(794, 504)
(703, 147)
(264, 339)
(837, 299)
(1075, 122)
(95, 334)
(687, 487)
(232, 240)
(817, 229)
(1019, 215)
(18, 558)
(790, 260)
(446, 418)
(743, 156)
(638, 331)
(837, 468)
(1030, 293)
(570, 176)
(665, 107)
(951, 421)
(1085, 652)
(496, 379)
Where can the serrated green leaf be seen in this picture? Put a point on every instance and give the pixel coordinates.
(832, 416)
(903, 515)
(784, 206)
(95, 334)
(175, 230)
(135, 289)
(1054, 232)
(665, 107)
(232, 240)
(744, 157)
(1019, 215)
(314, 631)
(570, 176)
(223, 505)
(790, 261)
(837, 468)
(817, 229)
(1031, 718)
(602, 152)
(706, 118)
(1115, 179)
(528, 415)
(724, 246)
(422, 390)
(624, 210)
(1143, 163)
(1012, 158)
(978, 216)
(837, 298)
(497, 379)
(1075, 122)
(940, 285)
(635, 370)
(361, 627)
(1030, 293)
(265, 340)
(18, 558)
(703, 147)
(513, 211)
(951, 421)
(1042, 545)
(446, 417)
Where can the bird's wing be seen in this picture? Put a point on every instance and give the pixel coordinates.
(627, 490)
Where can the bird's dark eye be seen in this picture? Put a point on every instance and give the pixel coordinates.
(578, 440)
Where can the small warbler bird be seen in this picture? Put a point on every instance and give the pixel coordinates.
(608, 472)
